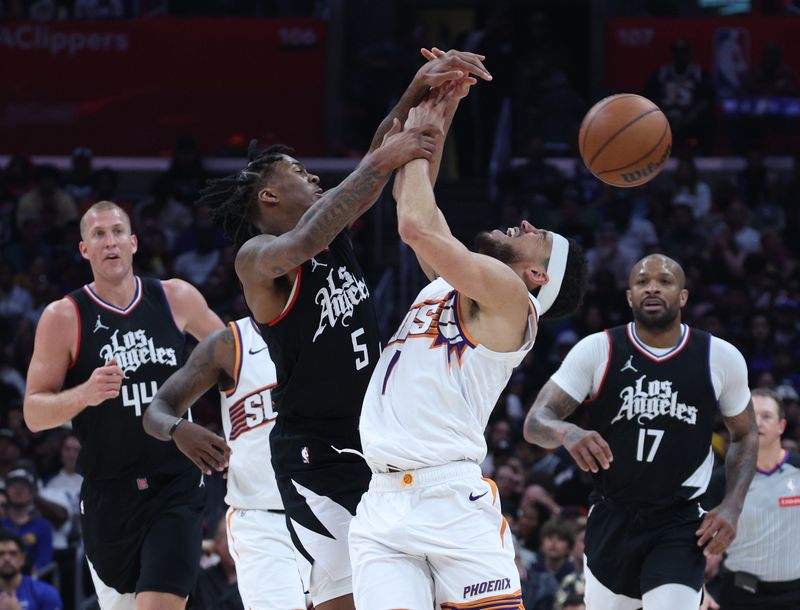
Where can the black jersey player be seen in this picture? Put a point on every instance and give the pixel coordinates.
(309, 296)
(100, 355)
(651, 388)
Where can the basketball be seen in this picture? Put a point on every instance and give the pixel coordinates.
(625, 140)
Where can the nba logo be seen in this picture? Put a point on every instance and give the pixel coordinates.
(305, 455)
(142, 484)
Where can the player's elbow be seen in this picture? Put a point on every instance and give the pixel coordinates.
(411, 231)
(30, 415)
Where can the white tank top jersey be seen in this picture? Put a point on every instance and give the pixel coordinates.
(434, 387)
(248, 419)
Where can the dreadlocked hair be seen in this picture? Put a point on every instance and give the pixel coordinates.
(233, 198)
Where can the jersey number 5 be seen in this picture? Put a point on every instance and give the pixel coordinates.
(643, 434)
(360, 350)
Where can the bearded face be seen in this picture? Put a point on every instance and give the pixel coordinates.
(486, 244)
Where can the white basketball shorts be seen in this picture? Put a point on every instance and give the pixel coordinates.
(433, 535)
(267, 572)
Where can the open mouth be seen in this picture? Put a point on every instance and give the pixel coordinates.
(512, 231)
(652, 304)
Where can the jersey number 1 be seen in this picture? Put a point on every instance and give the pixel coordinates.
(643, 434)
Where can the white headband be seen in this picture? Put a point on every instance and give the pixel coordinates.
(555, 272)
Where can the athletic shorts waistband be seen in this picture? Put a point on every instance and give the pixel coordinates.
(423, 477)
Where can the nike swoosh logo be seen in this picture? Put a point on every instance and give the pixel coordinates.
(253, 353)
(473, 498)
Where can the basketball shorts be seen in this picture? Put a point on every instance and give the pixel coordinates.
(433, 535)
(321, 480)
(145, 534)
(631, 551)
(266, 570)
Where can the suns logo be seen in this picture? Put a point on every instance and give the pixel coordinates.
(436, 320)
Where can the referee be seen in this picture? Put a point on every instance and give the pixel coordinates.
(761, 569)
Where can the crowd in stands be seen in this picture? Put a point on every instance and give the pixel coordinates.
(732, 232)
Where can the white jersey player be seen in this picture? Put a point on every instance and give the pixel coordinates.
(429, 532)
(237, 360)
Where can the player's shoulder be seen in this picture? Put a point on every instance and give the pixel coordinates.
(181, 294)
(725, 352)
(62, 311)
(594, 341)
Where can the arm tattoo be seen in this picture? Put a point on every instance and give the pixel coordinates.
(740, 461)
(336, 208)
(317, 228)
(544, 423)
(186, 385)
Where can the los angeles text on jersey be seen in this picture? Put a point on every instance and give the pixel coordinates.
(135, 349)
(646, 400)
(337, 302)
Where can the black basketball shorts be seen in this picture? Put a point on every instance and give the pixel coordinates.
(321, 481)
(145, 534)
(633, 551)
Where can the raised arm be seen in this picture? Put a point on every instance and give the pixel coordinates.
(46, 405)
(718, 528)
(441, 67)
(544, 426)
(267, 257)
(211, 363)
(489, 282)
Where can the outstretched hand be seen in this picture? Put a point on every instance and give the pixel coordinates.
(443, 66)
(456, 88)
(400, 145)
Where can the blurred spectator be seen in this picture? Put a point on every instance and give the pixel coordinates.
(682, 237)
(637, 235)
(67, 483)
(10, 451)
(35, 532)
(737, 219)
(690, 190)
(684, 92)
(15, 300)
(18, 176)
(185, 176)
(47, 203)
(558, 539)
(78, 182)
(196, 265)
(608, 255)
(216, 586)
(17, 591)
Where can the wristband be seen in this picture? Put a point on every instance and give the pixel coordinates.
(175, 427)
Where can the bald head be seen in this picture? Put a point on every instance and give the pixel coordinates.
(658, 264)
(103, 206)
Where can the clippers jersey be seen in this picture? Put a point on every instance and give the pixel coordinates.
(248, 419)
(434, 388)
(325, 343)
(656, 414)
(148, 348)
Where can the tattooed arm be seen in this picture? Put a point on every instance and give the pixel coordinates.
(719, 524)
(544, 426)
(211, 363)
(266, 257)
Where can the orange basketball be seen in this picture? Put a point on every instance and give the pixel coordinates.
(625, 140)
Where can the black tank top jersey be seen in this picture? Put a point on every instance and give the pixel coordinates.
(148, 347)
(656, 416)
(325, 344)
